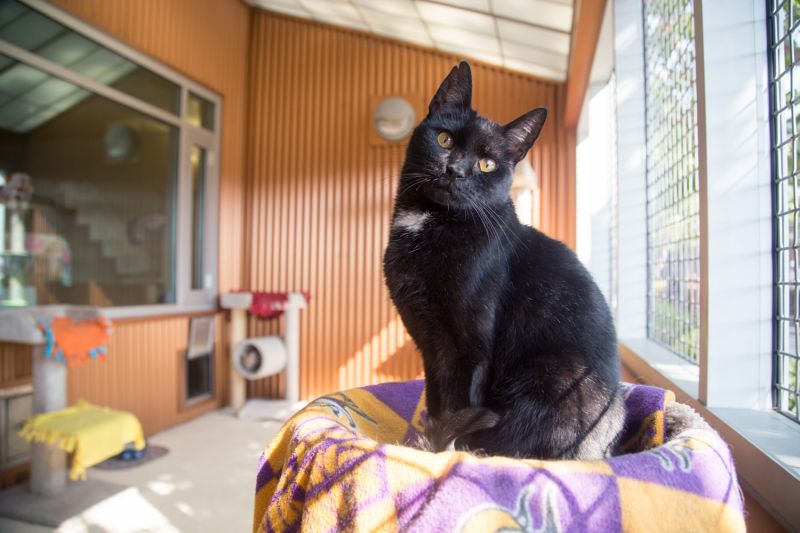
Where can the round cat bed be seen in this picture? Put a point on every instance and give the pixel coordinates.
(347, 462)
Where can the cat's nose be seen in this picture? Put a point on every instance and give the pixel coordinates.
(456, 170)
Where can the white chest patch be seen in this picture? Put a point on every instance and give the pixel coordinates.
(412, 221)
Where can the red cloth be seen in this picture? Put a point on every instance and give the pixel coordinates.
(271, 304)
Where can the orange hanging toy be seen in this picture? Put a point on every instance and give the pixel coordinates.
(74, 342)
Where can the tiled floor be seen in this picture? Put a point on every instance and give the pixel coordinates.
(204, 484)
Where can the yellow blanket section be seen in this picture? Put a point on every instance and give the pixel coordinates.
(91, 433)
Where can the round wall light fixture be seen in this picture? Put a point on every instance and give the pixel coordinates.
(393, 118)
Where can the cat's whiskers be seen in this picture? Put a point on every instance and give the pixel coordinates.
(487, 226)
(501, 223)
(412, 183)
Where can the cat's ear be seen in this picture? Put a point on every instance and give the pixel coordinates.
(455, 91)
(523, 131)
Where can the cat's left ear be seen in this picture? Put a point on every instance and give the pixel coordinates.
(522, 132)
(455, 92)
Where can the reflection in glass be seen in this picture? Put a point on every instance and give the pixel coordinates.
(28, 29)
(200, 112)
(198, 160)
(87, 196)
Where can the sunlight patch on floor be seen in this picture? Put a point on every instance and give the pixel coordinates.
(125, 511)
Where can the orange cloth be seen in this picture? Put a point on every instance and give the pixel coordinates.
(76, 342)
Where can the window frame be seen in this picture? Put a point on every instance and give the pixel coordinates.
(778, 359)
(656, 178)
(732, 385)
(187, 300)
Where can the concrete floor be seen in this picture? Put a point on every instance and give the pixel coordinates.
(205, 483)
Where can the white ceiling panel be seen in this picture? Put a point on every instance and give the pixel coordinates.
(548, 14)
(265, 3)
(343, 22)
(422, 39)
(30, 31)
(20, 78)
(321, 9)
(477, 5)
(535, 55)
(287, 9)
(536, 70)
(48, 92)
(443, 15)
(396, 24)
(531, 36)
(517, 32)
(401, 8)
(471, 53)
(457, 36)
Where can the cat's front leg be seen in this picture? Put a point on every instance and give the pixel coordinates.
(451, 430)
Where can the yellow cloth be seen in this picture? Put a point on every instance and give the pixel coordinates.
(91, 433)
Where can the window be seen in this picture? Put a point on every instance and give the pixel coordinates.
(692, 96)
(107, 171)
(673, 285)
(784, 31)
(201, 112)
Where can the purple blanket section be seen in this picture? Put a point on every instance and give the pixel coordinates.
(538, 498)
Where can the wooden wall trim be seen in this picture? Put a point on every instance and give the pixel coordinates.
(587, 20)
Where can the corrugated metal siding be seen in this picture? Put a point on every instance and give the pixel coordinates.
(15, 364)
(144, 373)
(319, 194)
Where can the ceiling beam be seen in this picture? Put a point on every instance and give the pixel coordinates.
(587, 19)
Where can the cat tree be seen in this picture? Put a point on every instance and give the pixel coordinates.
(48, 463)
(278, 354)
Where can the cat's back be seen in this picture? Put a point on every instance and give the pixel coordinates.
(551, 291)
(541, 262)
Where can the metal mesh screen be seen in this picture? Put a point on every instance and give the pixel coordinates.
(784, 31)
(672, 177)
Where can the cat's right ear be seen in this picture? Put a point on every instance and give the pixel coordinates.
(523, 131)
(455, 92)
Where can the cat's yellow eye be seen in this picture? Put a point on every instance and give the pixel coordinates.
(445, 140)
(487, 165)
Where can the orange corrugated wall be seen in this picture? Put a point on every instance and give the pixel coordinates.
(143, 373)
(314, 210)
(319, 193)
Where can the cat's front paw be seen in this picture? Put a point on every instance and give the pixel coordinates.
(450, 430)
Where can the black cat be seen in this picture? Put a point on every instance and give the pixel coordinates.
(517, 342)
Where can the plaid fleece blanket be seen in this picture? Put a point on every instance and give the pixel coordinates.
(344, 463)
